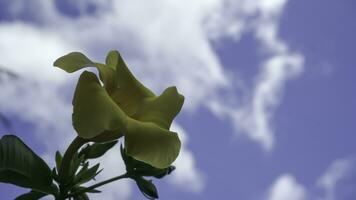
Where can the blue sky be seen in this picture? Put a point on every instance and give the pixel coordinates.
(269, 86)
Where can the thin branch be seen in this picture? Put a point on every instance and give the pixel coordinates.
(98, 185)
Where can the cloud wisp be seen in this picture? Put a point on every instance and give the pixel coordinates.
(339, 180)
(286, 187)
(336, 182)
(253, 115)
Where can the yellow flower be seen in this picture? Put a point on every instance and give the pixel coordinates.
(122, 106)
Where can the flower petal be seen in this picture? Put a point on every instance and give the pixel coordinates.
(139, 102)
(107, 76)
(130, 92)
(75, 61)
(112, 59)
(93, 110)
(161, 110)
(149, 143)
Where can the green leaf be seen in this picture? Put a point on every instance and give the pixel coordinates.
(79, 188)
(168, 171)
(147, 170)
(93, 110)
(94, 191)
(151, 144)
(83, 168)
(75, 164)
(55, 174)
(32, 195)
(147, 188)
(58, 159)
(97, 150)
(20, 166)
(81, 197)
(86, 175)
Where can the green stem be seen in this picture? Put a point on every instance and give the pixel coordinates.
(98, 185)
(66, 162)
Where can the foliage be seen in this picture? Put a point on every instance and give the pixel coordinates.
(105, 109)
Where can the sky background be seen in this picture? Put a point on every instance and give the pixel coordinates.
(270, 103)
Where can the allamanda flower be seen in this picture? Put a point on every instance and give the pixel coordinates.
(120, 105)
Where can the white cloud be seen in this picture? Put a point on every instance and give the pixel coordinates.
(281, 66)
(255, 118)
(30, 51)
(339, 180)
(272, 6)
(253, 115)
(41, 104)
(287, 187)
(336, 183)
